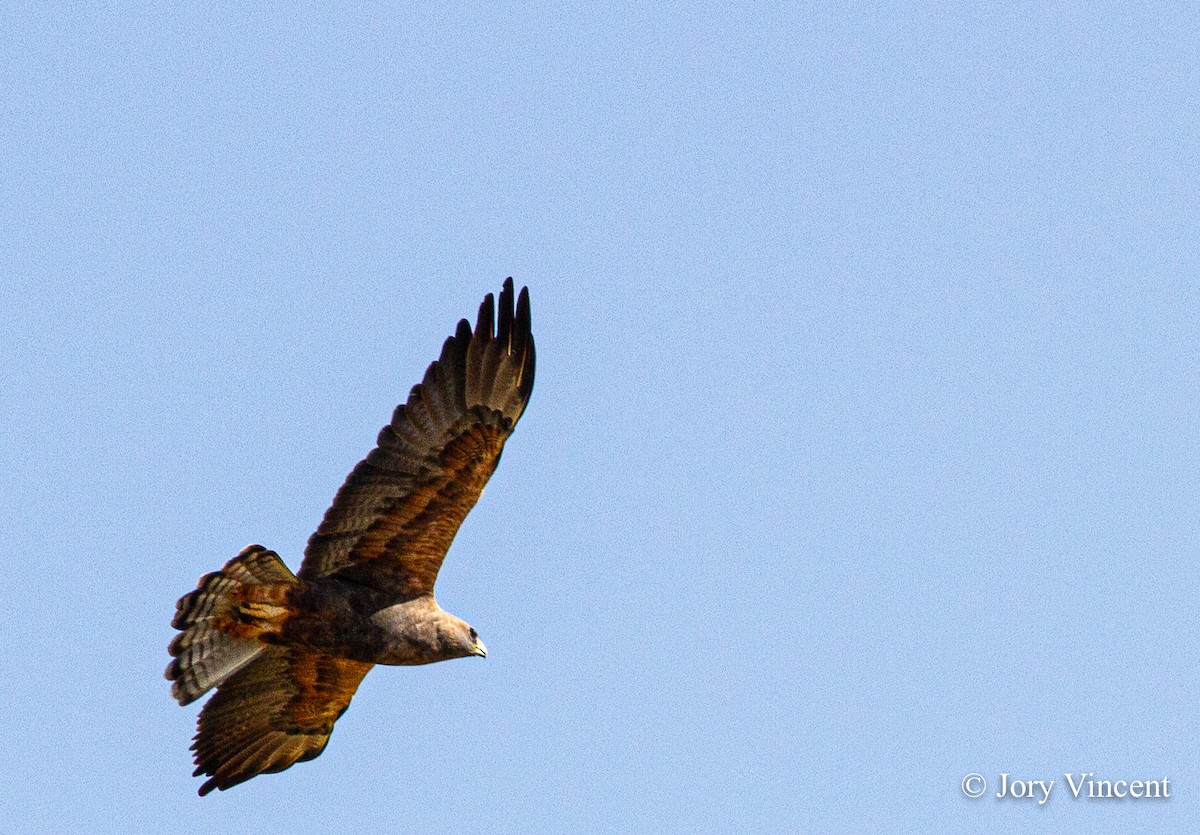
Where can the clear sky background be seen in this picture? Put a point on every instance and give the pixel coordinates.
(862, 453)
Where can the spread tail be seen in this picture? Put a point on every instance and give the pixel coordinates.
(222, 622)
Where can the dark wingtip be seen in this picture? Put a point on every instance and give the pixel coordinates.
(523, 340)
(504, 325)
(487, 316)
(497, 319)
(523, 318)
(209, 784)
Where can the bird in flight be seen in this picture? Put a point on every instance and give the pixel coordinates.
(287, 651)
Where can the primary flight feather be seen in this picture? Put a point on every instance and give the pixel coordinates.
(286, 651)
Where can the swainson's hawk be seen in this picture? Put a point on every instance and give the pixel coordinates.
(286, 652)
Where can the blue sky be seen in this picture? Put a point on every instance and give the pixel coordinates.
(862, 451)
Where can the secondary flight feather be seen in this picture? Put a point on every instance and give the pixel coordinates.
(286, 651)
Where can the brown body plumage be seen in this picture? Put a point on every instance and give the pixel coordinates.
(287, 652)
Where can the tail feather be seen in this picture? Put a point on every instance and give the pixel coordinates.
(222, 621)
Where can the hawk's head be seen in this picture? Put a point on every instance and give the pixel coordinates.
(459, 639)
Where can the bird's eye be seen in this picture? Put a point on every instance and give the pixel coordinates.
(474, 634)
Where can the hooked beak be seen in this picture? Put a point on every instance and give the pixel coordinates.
(479, 649)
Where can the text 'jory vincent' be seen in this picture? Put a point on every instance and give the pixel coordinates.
(1086, 786)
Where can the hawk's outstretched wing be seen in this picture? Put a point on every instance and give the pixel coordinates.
(392, 522)
(276, 711)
